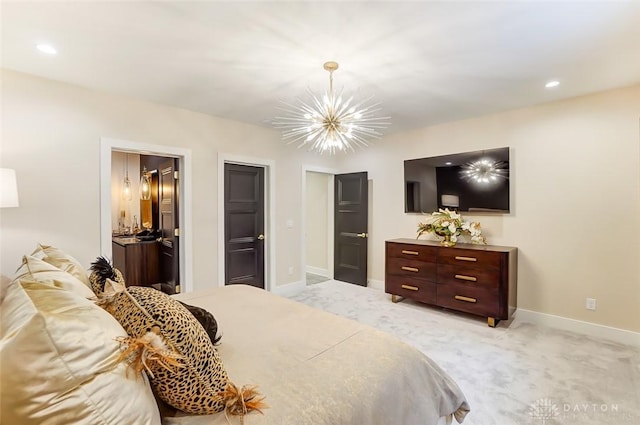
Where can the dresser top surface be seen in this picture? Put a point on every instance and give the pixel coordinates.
(130, 240)
(475, 247)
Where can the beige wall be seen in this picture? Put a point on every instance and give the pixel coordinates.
(575, 186)
(575, 200)
(317, 220)
(51, 136)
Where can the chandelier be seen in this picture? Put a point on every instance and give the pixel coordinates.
(485, 171)
(329, 124)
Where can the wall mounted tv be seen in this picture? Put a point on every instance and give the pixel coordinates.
(470, 181)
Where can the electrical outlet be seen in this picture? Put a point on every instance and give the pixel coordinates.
(290, 270)
(591, 304)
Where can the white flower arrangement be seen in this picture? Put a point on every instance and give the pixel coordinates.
(450, 225)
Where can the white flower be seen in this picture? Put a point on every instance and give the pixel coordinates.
(444, 221)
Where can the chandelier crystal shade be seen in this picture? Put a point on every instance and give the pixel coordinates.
(332, 122)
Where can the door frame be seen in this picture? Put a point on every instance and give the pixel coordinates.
(269, 214)
(107, 145)
(303, 219)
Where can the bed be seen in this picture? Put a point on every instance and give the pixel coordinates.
(317, 368)
(62, 357)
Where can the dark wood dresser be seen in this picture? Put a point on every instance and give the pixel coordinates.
(477, 279)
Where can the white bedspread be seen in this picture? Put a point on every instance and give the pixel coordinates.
(317, 368)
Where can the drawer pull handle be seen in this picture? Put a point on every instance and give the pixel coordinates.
(466, 258)
(409, 287)
(404, 251)
(469, 278)
(410, 269)
(466, 299)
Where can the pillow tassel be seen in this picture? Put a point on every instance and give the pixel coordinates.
(147, 350)
(239, 402)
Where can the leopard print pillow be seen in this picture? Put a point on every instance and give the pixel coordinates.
(194, 388)
(101, 270)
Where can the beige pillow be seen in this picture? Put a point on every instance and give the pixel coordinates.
(42, 271)
(59, 362)
(63, 261)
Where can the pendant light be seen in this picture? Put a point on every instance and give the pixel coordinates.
(126, 186)
(145, 185)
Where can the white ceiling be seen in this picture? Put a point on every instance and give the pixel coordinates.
(427, 62)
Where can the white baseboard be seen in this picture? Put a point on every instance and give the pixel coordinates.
(318, 271)
(289, 289)
(621, 336)
(375, 284)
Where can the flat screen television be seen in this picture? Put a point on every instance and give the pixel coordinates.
(469, 181)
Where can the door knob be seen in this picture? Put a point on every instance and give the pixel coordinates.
(362, 235)
(260, 237)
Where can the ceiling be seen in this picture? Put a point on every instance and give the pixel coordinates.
(427, 62)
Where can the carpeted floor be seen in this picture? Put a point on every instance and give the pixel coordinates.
(517, 373)
(312, 279)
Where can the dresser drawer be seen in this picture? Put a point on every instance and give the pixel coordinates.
(470, 257)
(472, 276)
(412, 252)
(417, 289)
(462, 297)
(411, 268)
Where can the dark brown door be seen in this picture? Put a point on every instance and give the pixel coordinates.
(168, 212)
(351, 217)
(244, 224)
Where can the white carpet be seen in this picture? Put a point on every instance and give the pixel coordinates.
(517, 373)
(312, 279)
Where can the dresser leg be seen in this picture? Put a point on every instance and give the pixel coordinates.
(395, 298)
(492, 322)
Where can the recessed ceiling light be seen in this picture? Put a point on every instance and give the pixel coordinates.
(47, 49)
(447, 163)
(552, 84)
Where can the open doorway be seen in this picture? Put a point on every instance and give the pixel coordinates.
(147, 239)
(318, 221)
(144, 219)
(346, 212)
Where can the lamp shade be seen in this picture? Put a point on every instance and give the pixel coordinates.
(450, 201)
(8, 188)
